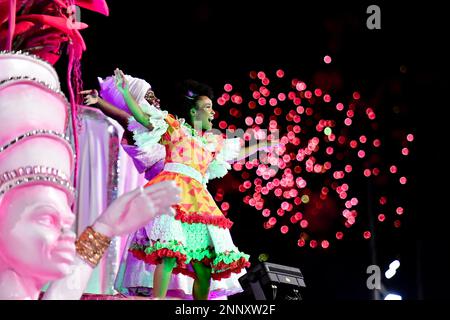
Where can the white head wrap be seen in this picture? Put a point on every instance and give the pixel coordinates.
(108, 91)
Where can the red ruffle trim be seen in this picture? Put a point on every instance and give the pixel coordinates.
(185, 271)
(234, 267)
(156, 256)
(188, 217)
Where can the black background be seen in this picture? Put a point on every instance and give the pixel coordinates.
(219, 41)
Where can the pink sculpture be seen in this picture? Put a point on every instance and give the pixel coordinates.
(36, 193)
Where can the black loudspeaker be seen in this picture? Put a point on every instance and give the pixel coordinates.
(269, 281)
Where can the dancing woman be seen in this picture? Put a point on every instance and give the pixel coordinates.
(196, 241)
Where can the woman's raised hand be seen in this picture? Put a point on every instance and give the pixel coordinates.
(121, 82)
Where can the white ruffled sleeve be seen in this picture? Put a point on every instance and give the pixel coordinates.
(145, 139)
(221, 163)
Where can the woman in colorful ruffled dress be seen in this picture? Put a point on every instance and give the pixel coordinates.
(196, 241)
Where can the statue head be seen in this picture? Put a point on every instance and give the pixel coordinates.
(36, 164)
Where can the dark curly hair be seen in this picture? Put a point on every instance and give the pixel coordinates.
(187, 95)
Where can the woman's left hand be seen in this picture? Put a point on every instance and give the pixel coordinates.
(121, 82)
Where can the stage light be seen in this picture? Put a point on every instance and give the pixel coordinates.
(394, 265)
(390, 273)
(269, 281)
(392, 296)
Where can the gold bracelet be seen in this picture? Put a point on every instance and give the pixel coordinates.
(91, 246)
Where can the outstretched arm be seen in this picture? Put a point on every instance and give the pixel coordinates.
(259, 145)
(123, 87)
(92, 98)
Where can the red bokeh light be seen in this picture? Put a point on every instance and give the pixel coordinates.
(376, 143)
(281, 96)
(261, 75)
(280, 73)
(300, 86)
(228, 87)
(304, 224)
(286, 173)
(405, 151)
(362, 139)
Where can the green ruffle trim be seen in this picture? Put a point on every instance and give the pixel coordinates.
(201, 254)
(173, 245)
(229, 257)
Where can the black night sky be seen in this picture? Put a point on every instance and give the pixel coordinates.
(222, 41)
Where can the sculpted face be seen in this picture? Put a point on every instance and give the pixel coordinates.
(34, 236)
(35, 244)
